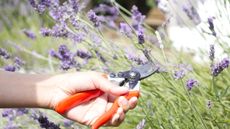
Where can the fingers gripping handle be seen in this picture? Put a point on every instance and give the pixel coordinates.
(77, 99)
(109, 114)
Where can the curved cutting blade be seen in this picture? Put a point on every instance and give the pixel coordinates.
(146, 70)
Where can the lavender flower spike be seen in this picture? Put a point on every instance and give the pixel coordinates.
(140, 36)
(211, 26)
(10, 68)
(137, 18)
(94, 18)
(83, 54)
(18, 62)
(192, 13)
(4, 53)
(212, 52)
(65, 56)
(179, 74)
(125, 29)
(29, 34)
(191, 83)
(219, 67)
(45, 123)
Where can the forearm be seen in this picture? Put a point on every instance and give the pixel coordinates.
(23, 90)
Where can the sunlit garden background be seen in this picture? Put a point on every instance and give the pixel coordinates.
(188, 39)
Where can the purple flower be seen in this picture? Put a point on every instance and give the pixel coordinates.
(83, 54)
(95, 39)
(7, 112)
(99, 55)
(54, 54)
(94, 18)
(66, 64)
(42, 120)
(64, 52)
(225, 63)
(10, 68)
(45, 31)
(59, 30)
(132, 56)
(65, 56)
(178, 74)
(192, 13)
(141, 124)
(4, 53)
(140, 36)
(41, 8)
(125, 29)
(47, 3)
(45, 123)
(75, 23)
(212, 52)
(107, 10)
(68, 123)
(43, 4)
(191, 83)
(29, 34)
(33, 3)
(211, 26)
(219, 67)
(137, 18)
(78, 37)
(182, 70)
(18, 62)
(57, 12)
(21, 111)
(75, 5)
(107, 14)
(137, 21)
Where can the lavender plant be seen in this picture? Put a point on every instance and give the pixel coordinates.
(67, 36)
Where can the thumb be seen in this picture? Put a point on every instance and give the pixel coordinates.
(105, 85)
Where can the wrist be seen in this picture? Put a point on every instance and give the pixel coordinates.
(45, 91)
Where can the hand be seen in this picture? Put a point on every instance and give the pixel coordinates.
(69, 84)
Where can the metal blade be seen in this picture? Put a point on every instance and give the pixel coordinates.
(146, 70)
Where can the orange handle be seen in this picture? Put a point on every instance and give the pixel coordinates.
(77, 99)
(109, 114)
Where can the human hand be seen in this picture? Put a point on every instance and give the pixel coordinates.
(66, 85)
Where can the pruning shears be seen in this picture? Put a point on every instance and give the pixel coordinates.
(130, 79)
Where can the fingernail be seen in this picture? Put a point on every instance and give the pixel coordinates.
(119, 110)
(115, 118)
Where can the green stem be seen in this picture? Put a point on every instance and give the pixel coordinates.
(214, 88)
(144, 111)
(193, 106)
